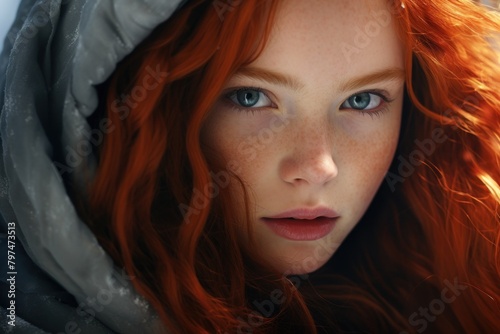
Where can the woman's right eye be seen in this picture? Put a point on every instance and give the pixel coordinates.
(249, 98)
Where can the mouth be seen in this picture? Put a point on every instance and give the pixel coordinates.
(303, 226)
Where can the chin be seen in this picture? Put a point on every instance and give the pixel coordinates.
(299, 268)
(307, 260)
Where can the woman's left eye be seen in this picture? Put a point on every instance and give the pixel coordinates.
(249, 98)
(363, 101)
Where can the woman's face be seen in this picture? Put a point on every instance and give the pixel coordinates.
(311, 127)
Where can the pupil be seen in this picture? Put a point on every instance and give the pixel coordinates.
(360, 101)
(248, 98)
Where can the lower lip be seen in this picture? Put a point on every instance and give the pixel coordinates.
(301, 229)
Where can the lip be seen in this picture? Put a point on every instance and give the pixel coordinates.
(307, 213)
(300, 229)
(302, 224)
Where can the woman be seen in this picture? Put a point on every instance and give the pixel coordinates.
(239, 182)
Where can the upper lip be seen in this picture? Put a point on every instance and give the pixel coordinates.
(306, 213)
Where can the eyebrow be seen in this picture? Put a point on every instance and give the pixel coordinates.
(292, 83)
(379, 76)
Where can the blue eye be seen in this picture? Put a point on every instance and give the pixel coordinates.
(249, 98)
(363, 101)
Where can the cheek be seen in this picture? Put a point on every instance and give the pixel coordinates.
(367, 158)
(375, 164)
(374, 154)
(220, 141)
(240, 142)
(227, 144)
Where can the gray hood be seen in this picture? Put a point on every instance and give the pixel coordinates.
(48, 72)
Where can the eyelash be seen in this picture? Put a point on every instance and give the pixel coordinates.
(372, 112)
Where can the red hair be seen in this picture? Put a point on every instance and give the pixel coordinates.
(151, 163)
(454, 85)
(441, 223)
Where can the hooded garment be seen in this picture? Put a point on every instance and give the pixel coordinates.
(55, 54)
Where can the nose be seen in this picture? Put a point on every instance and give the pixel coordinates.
(310, 161)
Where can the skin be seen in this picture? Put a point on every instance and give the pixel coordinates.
(304, 146)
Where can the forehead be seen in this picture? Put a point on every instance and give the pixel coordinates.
(332, 38)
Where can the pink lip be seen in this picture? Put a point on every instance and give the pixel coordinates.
(306, 213)
(302, 224)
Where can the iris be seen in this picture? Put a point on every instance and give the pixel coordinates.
(248, 97)
(360, 101)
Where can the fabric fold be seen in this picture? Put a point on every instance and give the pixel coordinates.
(62, 50)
